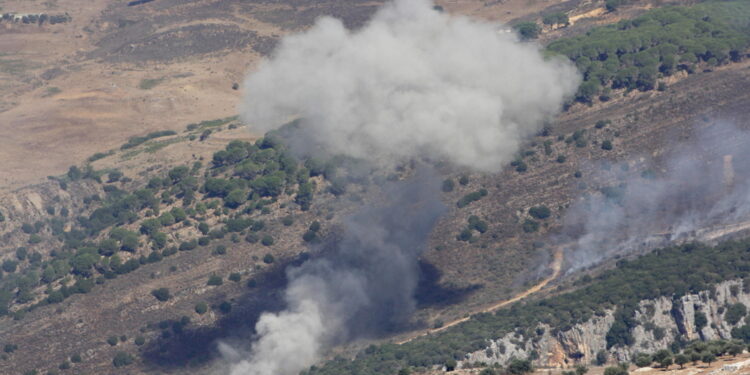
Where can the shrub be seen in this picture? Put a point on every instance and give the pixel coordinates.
(735, 312)
(528, 30)
(539, 212)
(112, 340)
(75, 358)
(140, 340)
(310, 236)
(161, 294)
(448, 185)
(463, 180)
(607, 145)
(201, 308)
(122, 359)
(530, 226)
(267, 240)
(235, 276)
(215, 280)
(220, 250)
(268, 258)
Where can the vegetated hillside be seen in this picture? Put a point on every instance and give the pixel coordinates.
(663, 300)
(238, 213)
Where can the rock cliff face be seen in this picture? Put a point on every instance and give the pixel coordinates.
(660, 321)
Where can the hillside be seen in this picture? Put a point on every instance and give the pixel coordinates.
(165, 224)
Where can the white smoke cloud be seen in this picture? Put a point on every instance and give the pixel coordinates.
(413, 82)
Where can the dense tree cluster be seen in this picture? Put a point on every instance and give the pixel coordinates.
(633, 54)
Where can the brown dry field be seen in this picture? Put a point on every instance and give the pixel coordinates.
(70, 90)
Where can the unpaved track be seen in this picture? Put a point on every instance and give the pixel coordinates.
(556, 267)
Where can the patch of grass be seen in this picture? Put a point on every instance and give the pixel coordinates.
(149, 83)
(51, 91)
(210, 123)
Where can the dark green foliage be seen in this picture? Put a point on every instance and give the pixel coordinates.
(304, 195)
(188, 245)
(448, 185)
(477, 224)
(681, 360)
(450, 365)
(465, 235)
(607, 145)
(201, 308)
(74, 173)
(10, 348)
(615, 370)
(235, 276)
(215, 280)
(520, 366)
(601, 357)
(632, 53)
(539, 212)
(122, 359)
(735, 312)
(471, 197)
(75, 358)
(9, 265)
(708, 358)
(267, 240)
(463, 180)
(161, 294)
(561, 159)
(527, 30)
(558, 18)
(220, 250)
(140, 340)
(700, 320)
(530, 226)
(112, 340)
(135, 141)
(268, 258)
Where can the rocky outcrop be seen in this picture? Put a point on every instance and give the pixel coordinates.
(660, 322)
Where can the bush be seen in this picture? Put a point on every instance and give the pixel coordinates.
(539, 212)
(112, 340)
(735, 313)
(122, 359)
(607, 145)
(235, 276)
(528, 30)
(530, 226)
(448, 185)
(268, 258)
(201, 308)
(267, 240)
(215, 280)
(161, 294)
(287, 221)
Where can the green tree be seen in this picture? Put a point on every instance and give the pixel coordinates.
(201, 308)
(540, 212)
(520, 366)
(708, 358)
(235, 198)
(615, 370)
(122, 359)
(450, 365)
(215, 280)
(528, 30)
(681, 360)
(161, 294)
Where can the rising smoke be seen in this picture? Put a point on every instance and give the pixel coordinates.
(413, 83)
(690, 194)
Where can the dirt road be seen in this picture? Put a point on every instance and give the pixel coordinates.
(556, 267)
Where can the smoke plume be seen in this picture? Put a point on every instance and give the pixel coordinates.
(364, 286)
(413, 82)
(701, 187)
